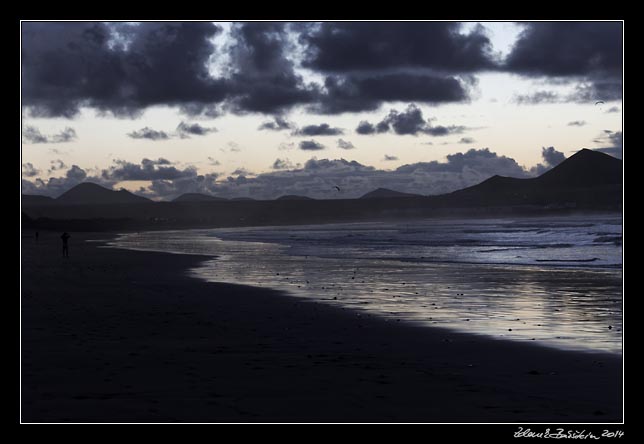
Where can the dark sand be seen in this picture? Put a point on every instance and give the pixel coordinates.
(121, 336)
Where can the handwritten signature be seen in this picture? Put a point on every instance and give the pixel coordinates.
(567, 434)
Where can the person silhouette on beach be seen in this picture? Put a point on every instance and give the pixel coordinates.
(65, 237)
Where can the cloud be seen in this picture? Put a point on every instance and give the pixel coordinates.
(69, 65)
(187, 129)
(353, 93)
(537, 98)
(148, 133)
(567, 49)
(322, 129)
(389, 158)
(28, 170)
(311, 145)
(277, 124)
(551, 158)
(371, 46)
(33, 135)
(365, 127)
(345, 144)
(160, 169)
(213, 161)
(241, 172)
(586, 52)
(613, 142)
(56, 165)
(408, 122)
(466, 140)
(233, 147)
(577, 123)
(122, 68)
(613, 109)
(263, 78)
(55, 186)
(445, 130)
(170, 189)
(282, 164)
(285, 146)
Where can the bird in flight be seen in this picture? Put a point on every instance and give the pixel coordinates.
(598, 102)
(337, 187)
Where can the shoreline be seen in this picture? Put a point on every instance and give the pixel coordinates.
(115, 335)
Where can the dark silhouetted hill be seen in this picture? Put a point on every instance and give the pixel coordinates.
(586, 177)
(36, 199)
(294, 197)
(381, 193)
(91, 193)
(585, 168)
(197, 197)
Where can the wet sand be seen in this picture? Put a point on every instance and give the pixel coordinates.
(126, 336)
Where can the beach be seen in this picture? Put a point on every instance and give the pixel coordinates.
(111, 335)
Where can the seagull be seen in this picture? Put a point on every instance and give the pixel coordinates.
(337, 187)
(598, 102)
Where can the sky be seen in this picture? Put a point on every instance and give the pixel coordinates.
(323, 109)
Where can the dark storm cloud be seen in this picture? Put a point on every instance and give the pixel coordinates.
(586, 51)
(263, 78)
(187, 129)
(323, 129)
(345, 144)
(389, 158)
(366, 93)
(33, 135)
(365, 127)
(407, 122)
(613, 109)
(568, 49)
(577, 123)
(277, 124)
(148, 133)
(311, 145)
(410, 121)
(466, 140)
(551, 158)
(28, 170)
(160, 169)
(369, 46)
(67, 65)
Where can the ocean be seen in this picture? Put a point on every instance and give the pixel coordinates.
(556, 281)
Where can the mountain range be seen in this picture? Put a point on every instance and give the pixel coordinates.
(588, 180)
